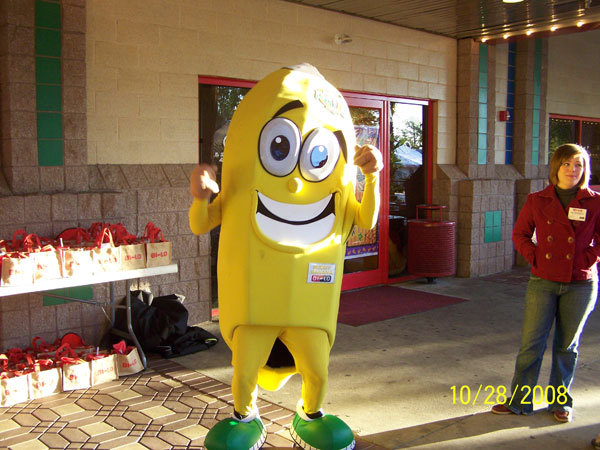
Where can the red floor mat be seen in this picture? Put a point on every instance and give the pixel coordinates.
(386, 302)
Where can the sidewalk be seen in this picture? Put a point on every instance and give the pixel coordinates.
(397, 383)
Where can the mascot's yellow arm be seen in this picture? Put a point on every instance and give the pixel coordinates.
(204, 217)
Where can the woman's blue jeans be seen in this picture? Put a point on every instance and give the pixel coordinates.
(567, 306)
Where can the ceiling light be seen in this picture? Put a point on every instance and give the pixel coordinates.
(529, 32)
(580, 23)
(512, 1)
(484, 39)
(554, 28)
(505, 36)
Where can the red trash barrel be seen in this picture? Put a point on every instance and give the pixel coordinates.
(431, 249)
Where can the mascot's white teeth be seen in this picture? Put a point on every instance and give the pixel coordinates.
(294, 224)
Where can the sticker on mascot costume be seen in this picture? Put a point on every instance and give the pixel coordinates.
(286, 208)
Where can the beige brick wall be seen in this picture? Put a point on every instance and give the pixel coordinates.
(143, 60)
(574, 74)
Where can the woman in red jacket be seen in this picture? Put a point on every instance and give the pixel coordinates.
(558, 233)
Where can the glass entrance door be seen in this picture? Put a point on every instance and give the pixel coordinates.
(398, 127)
(406, 182)
(365, 260)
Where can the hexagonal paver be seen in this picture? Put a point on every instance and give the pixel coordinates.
(88, 404)
(125, 395)
(173, 383)
(95, 429)
(156, 412)
(119, 423)
(74, 435)
(29, 445)
(24, 420)
(66, 410)
(194, 432)
(131, 446)
(45, 415)
(54, 440)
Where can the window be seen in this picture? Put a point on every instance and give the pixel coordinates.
(579, 130)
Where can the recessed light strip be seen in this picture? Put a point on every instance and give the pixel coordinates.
(541, 31)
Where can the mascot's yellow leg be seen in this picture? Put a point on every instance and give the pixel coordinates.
(251, 348)
(310, 349)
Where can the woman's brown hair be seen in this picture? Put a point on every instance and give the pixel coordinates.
(564, 153)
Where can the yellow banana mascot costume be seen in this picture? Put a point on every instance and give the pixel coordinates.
(286, 207)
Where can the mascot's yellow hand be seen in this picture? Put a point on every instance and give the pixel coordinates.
(368, 159)
(203, 181)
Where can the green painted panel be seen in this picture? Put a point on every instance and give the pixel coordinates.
(538, 55)
(482, 141)
(482, 125)
(47, 42)
(50, 152)
(488, 235)
(483, 93)
(47, 70)
(497, 218)
(47, 14)
(483, 110)
(80, 292)
(535, 158)
(496, 234)
(483, 80)
(536, 118)
(49, 98)
(481, 157)
(483, 58)
(488, 219)
(537, 89)
(49, 126)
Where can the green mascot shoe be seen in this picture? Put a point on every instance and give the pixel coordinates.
(324, 433)
(235, 434)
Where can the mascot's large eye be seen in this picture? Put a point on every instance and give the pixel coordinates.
(279, 145)
(320, 153)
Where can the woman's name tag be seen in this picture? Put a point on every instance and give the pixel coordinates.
(577, 214)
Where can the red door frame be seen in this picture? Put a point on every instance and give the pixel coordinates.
(376, 276)
(357, 99)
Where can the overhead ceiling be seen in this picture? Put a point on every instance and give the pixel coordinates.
(472, 18)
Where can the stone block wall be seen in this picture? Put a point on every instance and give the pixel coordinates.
(18, 108)
(481, 187)
(476, 257)
(156, 193)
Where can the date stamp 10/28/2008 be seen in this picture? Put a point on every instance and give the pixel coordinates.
(492, 395)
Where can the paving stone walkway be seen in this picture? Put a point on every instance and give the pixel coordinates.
(165, 407)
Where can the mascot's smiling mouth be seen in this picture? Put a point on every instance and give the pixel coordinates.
(295, 224)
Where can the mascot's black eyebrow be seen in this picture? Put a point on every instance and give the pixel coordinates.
(288, 106)
(294, 104)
